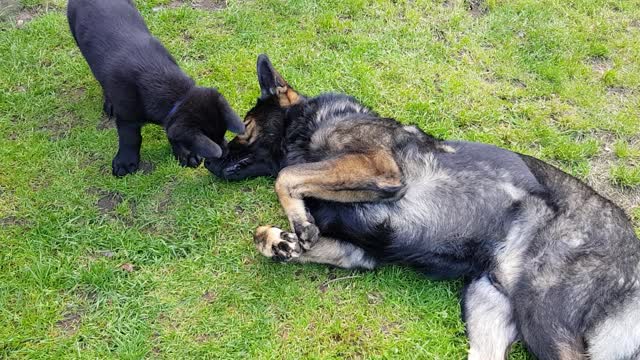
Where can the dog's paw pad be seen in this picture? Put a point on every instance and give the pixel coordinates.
(120, 167)
(276, 244)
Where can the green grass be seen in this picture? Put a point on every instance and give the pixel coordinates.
(555, 79)
(625, 176)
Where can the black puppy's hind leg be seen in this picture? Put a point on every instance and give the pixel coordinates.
(280, 245)
(128, 157)
(489, 321)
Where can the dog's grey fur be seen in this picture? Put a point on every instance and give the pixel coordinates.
(546, 258)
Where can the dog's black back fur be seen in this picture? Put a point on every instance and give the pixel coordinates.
(142, 83)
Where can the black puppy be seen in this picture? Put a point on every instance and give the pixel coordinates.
(143, 84)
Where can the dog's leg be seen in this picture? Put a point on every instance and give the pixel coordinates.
(373, 176)
(489, 321)
(128, 157)
(279, 245)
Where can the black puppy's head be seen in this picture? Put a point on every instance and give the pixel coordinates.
(196, 129)
(259, 151)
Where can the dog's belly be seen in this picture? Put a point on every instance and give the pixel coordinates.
(381, 230)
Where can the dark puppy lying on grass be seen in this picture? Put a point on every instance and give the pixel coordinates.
(546, 259)
(143, 84)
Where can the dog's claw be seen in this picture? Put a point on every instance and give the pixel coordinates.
(121, 166)
(190, 160)
(276, 244)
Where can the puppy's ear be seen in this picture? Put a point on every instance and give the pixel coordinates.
(205, 147)
(273, 84)
(231, 119)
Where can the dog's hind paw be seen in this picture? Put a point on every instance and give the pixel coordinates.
(308, 233)
(276, 244)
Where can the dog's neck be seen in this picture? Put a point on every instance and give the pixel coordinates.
(165, 90)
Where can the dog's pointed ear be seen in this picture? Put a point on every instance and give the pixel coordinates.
(205, 147)
(231, 119)
(273, 84)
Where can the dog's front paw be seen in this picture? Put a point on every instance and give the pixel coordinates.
(123, 165)
(189, 159)
(276, 244)
(307, 232)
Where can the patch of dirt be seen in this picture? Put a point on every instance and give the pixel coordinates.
(25, 16)
(477, 8)
(439, 35)
(59, 127)
(165, 201)
(518, 83)
(618, 91)
(600, 179)
(12, 221)
(108, 201)
(106, 123)
(90, 159)
(600, 64)
(76, 94)
(209, 297)
(210, 5)
(374, 298)
(391, 328)
(203, 338)
(89, 296)
(13, 10)
(70, 323)
(146, 167)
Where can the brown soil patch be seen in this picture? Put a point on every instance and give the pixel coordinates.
(106, 123)
(146, 167)
(600, 179)
(477, 8)
(618, 91)
(70, 323)
(12, 221)
(76, 94)
(108, 202)
(600, 64)
(209, 5)
(59, 127)
(209, 297)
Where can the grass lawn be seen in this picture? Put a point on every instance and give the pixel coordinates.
(161, 264)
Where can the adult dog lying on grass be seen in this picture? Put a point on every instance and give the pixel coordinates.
(142, 83)
(547, 260)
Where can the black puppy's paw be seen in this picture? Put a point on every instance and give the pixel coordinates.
(124, 165)
(308, 233)
(188, 159)
(276, 244)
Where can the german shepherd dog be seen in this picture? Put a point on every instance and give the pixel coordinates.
(547, 260)
(142, 83)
